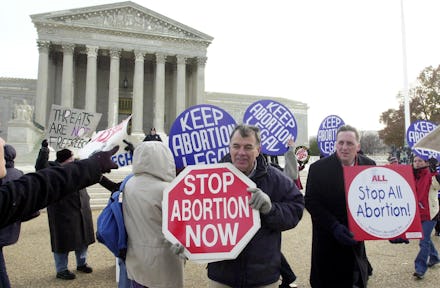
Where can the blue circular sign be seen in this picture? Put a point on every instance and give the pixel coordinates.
(276, 122)
(416, 131)
(326, 137)
(200, 135)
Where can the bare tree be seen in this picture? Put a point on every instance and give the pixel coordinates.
(371, 143)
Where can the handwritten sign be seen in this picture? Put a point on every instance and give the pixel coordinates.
(416, 131)
(326, 137)
(200, 135)
(381, 202)
(70, 127)
(107, 139)
(276, 122)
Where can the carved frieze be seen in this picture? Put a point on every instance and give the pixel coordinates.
(130, 18)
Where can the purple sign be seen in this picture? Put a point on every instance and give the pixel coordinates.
(326, 137)
(200, 135)
(276, 122)
(416, 131)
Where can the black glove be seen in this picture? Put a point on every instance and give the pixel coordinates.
(399, 241)
(433, 162)
(129, 147)
(44, 143)
(104, 159)
(122, 253)
(343, 235)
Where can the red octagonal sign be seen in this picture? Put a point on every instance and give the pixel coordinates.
(206, 210)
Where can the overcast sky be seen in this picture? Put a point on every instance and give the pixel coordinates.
(341, 57)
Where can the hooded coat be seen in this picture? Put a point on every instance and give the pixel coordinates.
(150, 261)
(332, 262)
(70, 219)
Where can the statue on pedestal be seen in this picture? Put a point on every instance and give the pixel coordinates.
(23, 112)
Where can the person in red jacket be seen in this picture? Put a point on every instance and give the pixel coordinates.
(426, 190)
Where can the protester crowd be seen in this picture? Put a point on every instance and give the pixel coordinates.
(337, 259)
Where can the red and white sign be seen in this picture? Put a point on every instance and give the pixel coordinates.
(381, 202)
(206, 210)
(105, 140)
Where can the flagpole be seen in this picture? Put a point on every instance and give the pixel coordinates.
(405, 77)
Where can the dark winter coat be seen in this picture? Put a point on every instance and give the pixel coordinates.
(259, 262)
(9, 234)
(70, 220)
(332, 262)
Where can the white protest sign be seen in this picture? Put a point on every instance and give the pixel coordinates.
(70, 127)
(381, 202)
(106, 139)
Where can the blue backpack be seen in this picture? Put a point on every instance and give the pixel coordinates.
(110, 224)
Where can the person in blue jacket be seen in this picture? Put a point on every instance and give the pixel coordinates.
(281, 208)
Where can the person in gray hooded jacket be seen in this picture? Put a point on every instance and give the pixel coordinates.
(150, 261)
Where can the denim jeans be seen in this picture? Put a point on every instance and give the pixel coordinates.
(61, 259)
(427, 253)
(124, 282)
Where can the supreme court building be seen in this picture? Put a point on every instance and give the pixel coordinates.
(120, 59)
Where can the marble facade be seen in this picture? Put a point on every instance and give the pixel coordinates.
(119, 59)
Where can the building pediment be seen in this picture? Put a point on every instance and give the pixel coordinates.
(123, 17)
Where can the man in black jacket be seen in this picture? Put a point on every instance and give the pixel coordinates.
(70, 222)
(326, 203)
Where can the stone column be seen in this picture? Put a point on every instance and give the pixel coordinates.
(138, 94)
(180, 84)
(159, 94)
(92, 55)
(113, 90)
(42, 83)
(200, 90)
(67, 78)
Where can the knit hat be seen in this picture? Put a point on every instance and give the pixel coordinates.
(10, 155)
(63, 155)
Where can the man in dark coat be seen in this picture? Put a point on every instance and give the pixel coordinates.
(70, 223)
(337, 259)
(153, 136)
(281, 208)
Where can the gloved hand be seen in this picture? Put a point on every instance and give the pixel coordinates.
(122, 253)
(343, 235)
(44, 143)
(433, 162)
(129, 147)
(178, 249)
(259, 200)
(104, 159)
(399, 241)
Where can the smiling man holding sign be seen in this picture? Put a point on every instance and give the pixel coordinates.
(280, 205)
(326, 202)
